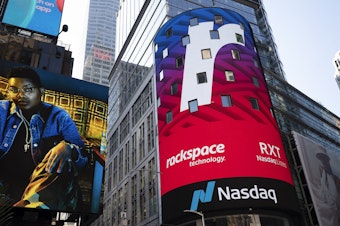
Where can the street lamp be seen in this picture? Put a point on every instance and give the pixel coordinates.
(198, 213)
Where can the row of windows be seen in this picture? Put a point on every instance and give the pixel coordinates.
(206, 54)
(202, 78)
(226, 101)
(218, 19)
(146, 196)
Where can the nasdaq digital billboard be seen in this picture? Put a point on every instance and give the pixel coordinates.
(219, 143)
(52, 152)
(42, 16)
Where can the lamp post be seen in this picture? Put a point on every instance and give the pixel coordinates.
(198, 213)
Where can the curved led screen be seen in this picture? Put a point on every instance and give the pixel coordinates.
(219, 143)
(42, 16)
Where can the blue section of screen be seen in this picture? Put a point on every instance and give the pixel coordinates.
(42, 16)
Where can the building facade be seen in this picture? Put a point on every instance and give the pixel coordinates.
(132, 173)
(33, 49)
(100, 41)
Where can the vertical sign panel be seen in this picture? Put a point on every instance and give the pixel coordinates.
(321, 168)
(219, 143)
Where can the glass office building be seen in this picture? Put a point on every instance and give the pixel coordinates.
(132, 192)
(100, 41)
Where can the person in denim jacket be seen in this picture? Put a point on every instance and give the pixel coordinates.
(40, 147)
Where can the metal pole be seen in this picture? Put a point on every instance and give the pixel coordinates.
(198, 213)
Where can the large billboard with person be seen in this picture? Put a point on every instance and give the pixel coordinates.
(322, 172)
(42, 16)
(219, 143)
(51, 140)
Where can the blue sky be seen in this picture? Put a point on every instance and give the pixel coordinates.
(307, 36)
(306, 33)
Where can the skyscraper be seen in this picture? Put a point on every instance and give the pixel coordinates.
(100, 41)
(132, 192)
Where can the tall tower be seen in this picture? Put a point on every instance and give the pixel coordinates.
(337, 68)
(132, 171)
(100, 41)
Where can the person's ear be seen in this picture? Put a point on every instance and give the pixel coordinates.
(42, 91)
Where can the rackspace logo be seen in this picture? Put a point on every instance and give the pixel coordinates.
(196, 153)
(228, 193)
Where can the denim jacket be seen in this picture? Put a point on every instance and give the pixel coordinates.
(48, 127)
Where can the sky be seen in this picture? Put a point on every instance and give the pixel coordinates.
(75, 13)
(307, 36)
(306, 33)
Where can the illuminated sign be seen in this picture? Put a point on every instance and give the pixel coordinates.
(215, 118)
(80, 189)
(102, 54)
(322, 172)
(42, 16)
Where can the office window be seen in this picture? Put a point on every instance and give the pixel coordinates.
(158, 101)
(179, 62)
(174, 88)
(165, 52)
(120, 165)
(185, 40)
(239, 38)
(206, 53)
(256, 81)
(218, 19)
(235, 54)
(256, 63)
(109, 183)
(229, 75)
(193, 21)
(214, 34)
(193, 106)
(141, 141)
(134, 150)
(254, 104)
(226, 100)
(127, 157)
(201, 78)
(168, 116)
(168, 33)
(161, 75)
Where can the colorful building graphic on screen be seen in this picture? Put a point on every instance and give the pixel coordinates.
(215, 116)
(42, 16)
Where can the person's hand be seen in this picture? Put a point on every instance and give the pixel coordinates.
(58, 157)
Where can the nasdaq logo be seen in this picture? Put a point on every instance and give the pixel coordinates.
(229, 194)
(202, 196)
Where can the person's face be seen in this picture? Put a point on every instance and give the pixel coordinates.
(24, 93)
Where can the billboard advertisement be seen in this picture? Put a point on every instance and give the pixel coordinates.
(52, 140)
(218, 137)
(322, 172)
(42, 16)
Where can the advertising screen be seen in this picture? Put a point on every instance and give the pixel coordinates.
(322, 172)
(52, 142)
(219, 143)
(42, 16)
